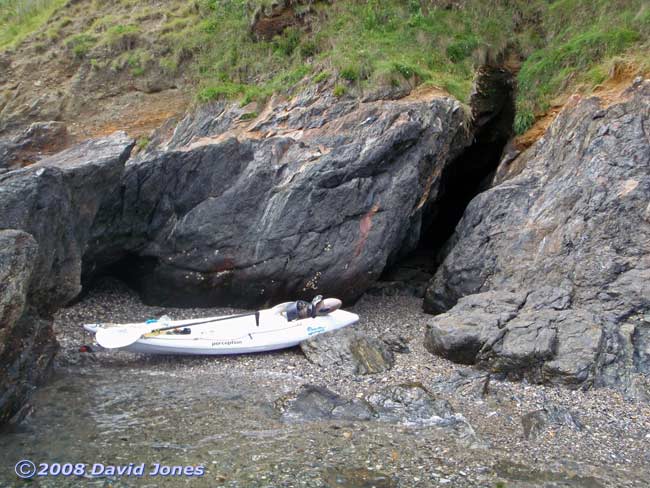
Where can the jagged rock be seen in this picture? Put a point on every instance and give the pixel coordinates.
(50, 206)
(396, 343)
(460, 334)
(410, 403)
(571, 231)
(311, 402)
(32, 144)
(465, 383)
(313, 195)
(349, 350)
(536, 422)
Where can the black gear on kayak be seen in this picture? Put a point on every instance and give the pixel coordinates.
(299, 310)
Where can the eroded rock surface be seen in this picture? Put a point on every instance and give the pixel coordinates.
(311, 403)
(536, 422)
(547, 275)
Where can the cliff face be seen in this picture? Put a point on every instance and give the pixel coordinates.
(547, 274)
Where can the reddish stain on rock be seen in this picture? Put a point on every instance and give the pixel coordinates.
(364, 229)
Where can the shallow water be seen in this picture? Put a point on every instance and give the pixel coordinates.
(228, 425)
(117, 416)
(218, 413)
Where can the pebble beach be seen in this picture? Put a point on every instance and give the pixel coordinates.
(220, 412)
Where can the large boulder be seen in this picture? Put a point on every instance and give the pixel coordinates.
(46, 212)
(56, 200)
(313, 195)
(350, 351)
(554, 262)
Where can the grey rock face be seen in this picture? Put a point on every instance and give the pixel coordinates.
(313, 195)
(535, 423)
(349, 350)
(55, 200)
(48, 209)
(17, 253)
(32, 144)
(311, 403)
(409, 403)
(547, 274)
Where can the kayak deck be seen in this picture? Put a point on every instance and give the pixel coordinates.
(235, 336)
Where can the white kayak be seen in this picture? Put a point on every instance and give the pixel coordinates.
(237, 334)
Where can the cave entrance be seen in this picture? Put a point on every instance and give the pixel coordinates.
(493, 112)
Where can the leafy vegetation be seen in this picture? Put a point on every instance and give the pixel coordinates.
(353, 44)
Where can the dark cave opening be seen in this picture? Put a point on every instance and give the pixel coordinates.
(493, 112)
(127, 268)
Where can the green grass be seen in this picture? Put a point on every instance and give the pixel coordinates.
(339, 91)
(360, 43)
(80, 44)
(19, 18)
(368, 43)
(357, 45)
(143, 142)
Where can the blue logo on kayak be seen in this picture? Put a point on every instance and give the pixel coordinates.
(151, 321)
(315, 330)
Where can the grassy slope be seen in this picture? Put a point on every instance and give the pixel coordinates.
(19, 18)
(362, 43)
